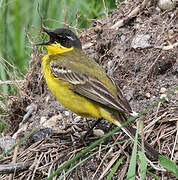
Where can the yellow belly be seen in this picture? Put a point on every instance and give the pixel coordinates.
(76, 103)
(69, 99)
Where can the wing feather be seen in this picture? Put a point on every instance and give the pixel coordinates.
(91, 87)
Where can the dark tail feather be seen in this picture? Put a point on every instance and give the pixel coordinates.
(150, 152)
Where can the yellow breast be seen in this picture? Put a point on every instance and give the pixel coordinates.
(69, 99)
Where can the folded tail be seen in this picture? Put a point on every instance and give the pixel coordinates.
(131, 132)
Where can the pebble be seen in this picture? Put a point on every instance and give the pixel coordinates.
(123, 38)
(110, 64)
(71, 178)
(77, 119)
(41, 134)
(162, 90)
(110, 68)
(148, 95)
(50, 122)
(166, 4)
(129, 95)
(164, 96)
(43, 120)
(67, 113)
(47, 98)
(141, 41)
(6, 143)
(98, 132)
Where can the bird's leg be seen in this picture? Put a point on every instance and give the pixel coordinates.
(89, 131)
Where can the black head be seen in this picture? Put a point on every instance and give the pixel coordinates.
(63, 36)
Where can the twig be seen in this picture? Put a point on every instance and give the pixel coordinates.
(87, 45)
(112, 161)
(171, 46)
(151, 67)
(106, 155)
(13, 76)
(154, 121)
(37, 164)
(109, 165)
(12, 82)
(175, 142)
(105, 8)
(131, 15)
(11, 168)
(14, 160)
(123, 21)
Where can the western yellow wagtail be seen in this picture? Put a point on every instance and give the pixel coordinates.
(82, 85)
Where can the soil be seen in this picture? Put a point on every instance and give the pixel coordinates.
(145, 72)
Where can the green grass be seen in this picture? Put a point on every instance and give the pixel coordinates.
(17, 15)
(132, 171)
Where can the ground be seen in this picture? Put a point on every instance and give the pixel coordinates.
(140, 59)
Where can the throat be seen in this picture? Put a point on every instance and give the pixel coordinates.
(57, 49)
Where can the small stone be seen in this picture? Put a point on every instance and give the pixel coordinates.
(6, 143)
(110, 64)
(110, 67)
(43, 120)
(137, 26)
(129, 94)
(123, 38)
(47, 98)
(71, 178)
(162, 90)
(41, 134)
(148, 95)
(166, 4)
(67, 113)
(32, 108)
(141, 41)
(77, 119)
(98, 132)
(164, 96)
(52, 121)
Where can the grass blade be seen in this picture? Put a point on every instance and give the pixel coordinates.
(143, 164)
(115, 168)
(169, 165)
(153, 175)
(78, 164)
(132, 167)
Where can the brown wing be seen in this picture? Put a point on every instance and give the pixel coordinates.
(122, 98)
(90, 87)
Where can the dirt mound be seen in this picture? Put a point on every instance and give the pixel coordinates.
(141, 58)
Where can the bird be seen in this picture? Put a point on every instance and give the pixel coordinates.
(81, 85)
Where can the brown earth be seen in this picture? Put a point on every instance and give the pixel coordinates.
(141, 72)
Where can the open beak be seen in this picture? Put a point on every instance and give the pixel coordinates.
(50, 33)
